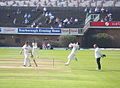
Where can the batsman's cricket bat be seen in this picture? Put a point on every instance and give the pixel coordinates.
(35, 62)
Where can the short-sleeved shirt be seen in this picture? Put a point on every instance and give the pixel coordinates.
(26, 49)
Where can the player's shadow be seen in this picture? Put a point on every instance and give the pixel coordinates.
(106, 70)
(110, 70)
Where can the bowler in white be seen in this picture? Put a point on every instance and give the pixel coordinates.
(75, 47)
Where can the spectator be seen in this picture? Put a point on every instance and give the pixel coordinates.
(76, 21)
(43, 46)
(106, 18)
(48, 46)
(60, 25)
(65, 21)
(29, 15)
(86, 9)
(33, 24)
(57, 20)
(44, 10)
(109, 14)
(51, 19)
(26, 21)
(102, 10)
(50, 14)
(25, 16)
(110, 19)
(102, 20)
(46, 14)
(97, 10)
(14, 21)
(71, 20)
(90, 11)
(18, 11)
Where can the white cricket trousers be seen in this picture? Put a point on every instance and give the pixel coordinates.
(70, 57)
(27, 59)
(34, 52)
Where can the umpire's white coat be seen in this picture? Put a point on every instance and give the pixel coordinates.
(98, 54)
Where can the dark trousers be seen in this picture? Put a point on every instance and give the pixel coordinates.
(98, 63)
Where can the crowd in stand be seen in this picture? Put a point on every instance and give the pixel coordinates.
(57, 22)
(27, 18)
(18, 16)
(51, 20)
(105, 14)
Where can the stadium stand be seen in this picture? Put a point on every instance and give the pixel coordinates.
(25, 17)
(60, 13)
(60, 3)
(57, 17)
(21, 14)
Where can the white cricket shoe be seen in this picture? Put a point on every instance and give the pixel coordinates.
(98, 69)
(66, 64)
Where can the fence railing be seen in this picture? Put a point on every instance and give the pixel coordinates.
(92, 17)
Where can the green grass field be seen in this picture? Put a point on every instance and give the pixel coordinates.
(79, 74)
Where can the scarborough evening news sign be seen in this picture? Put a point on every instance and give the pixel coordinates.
(41, 31)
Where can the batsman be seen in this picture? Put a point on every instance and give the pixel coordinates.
(34, 52)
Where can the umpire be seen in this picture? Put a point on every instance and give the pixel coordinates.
(98, 56)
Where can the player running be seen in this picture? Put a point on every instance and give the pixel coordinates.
(75, 47)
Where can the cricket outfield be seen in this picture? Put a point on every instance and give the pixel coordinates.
(51, 72)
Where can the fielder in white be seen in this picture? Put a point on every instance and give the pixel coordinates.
(75, 47)
(34, 49)
(27, 53)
